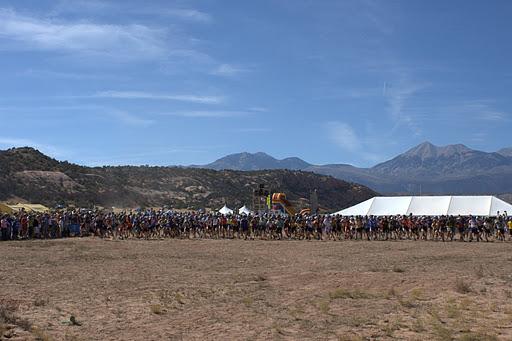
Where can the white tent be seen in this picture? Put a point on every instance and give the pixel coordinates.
(244, 210)
(430, 206)
(225, 210)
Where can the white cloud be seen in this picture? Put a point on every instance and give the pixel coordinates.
(68, 75)
(74, 6)
(344, 136)
(153, 96)
(189, 14)
(492, 115)
(130, 119)
(477, 110)
(120, 41)
(481, 110)
(365, 148)
(398, 96)
(228, 70)
(100, 7)
(258, 109)
(208, 114)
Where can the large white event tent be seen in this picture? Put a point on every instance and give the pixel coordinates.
(429, 206)
(244, 210)
(225, 210)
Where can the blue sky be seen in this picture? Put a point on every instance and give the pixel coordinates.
(186, 82)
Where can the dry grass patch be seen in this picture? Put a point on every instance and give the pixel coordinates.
(350, 338)
(156, 309)
(417, 294)
(324, 307)
(260, 278)
(8, 315)
(462, 287)
(391, 327)
(248, 301)
(479, 272)
(355, 294)
(398, 269)
(40, 335)
(407, 303)
(180, 298)
(441, 332)
(477, 337)
(465, 304)
(41, 301)
(418, 326)
(391, 293)
(453, 311)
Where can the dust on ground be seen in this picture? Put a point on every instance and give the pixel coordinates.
(93, 289)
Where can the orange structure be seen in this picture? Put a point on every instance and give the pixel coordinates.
(306, 211)
(280, 199)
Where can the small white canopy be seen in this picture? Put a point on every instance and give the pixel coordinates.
(244, 210)
(225, 210)
(430, 206)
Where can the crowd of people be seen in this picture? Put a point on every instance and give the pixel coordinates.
(157, 224)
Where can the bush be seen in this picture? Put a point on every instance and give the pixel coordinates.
(462, 287)
(156, 309)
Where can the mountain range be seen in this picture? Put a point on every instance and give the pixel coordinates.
(424, 169)
(26, 175)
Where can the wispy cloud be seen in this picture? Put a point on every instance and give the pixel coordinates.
(481, 110)
(208, 113)
(158, 96)
(121, 41)
(228, 70)
(258, 109)
(73, 6)
(492, 115)
(38, 108)
(100, 7)
(455, 112)
(68, 75)
(130, 119)
(189, 14)
(343, 136)
(352, 141)
(398, 94)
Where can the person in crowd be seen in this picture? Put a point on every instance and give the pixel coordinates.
(158, 224)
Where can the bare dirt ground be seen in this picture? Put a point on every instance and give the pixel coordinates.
(253, 290)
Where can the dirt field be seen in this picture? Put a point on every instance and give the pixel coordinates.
(253, 290)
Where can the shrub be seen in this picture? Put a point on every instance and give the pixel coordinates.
(462, 287)
(41, 302)
(398, 269)
(156, 309)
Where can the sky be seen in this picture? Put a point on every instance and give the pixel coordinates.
(100, 82)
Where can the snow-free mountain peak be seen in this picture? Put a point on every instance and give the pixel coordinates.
(256, 161)
(427, 150)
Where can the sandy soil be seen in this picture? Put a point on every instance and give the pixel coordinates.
(253, 290)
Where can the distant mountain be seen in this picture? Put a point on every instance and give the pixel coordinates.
(426, 169)
(256, 161)
(427, 160)
(506, 152)
(28, 175)
(456, 169)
